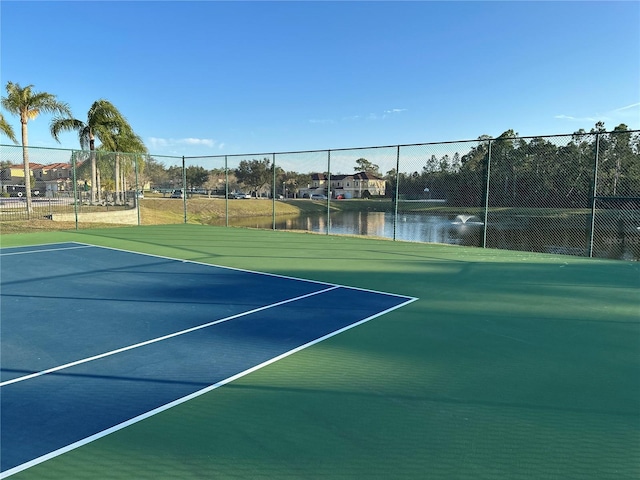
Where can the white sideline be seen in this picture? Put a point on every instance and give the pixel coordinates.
(115, 428)
(191, 396)
(159, 339)
(43, 250)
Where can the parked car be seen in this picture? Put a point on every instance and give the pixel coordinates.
(240, 195)
(177, 194)
(20, 191)
(318, 196)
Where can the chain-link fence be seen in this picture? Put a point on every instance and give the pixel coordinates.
(71, 185)
(572, 194)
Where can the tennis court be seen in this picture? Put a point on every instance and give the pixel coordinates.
(187, 351)
(100, 338)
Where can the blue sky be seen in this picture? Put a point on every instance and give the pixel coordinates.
(216, 78)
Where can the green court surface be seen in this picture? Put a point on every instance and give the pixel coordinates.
(511, 365)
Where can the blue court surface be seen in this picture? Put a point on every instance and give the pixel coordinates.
(95, 339)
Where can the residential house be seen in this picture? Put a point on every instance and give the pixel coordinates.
(56, 177)
(358, 185)
(51, 179)
(13, 175)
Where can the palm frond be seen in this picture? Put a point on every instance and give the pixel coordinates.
(64, 124)
(29, 104)
(7, 129)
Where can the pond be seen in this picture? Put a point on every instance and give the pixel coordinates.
(567, 236)
(459, 230)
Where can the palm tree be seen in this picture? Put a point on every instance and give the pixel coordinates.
(28, 104)
(7, 129)
(122, 139)
(103, 119)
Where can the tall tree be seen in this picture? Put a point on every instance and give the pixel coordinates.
(255, 173)
(364, 165)
(28, 104)
(126, 146)
(7, 129)
(472, 174)
(196, 176)
(620, 159)
(155, 172)
(431, 165)
(103, 119)
(293, 181)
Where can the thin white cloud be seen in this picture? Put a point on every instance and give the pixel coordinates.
(207, 142)
(156, 142)
(386, 114)
(615, 115)
(633, 105)
(354, 118)
(576, 119)
(373, 116)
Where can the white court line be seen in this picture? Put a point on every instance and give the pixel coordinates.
(255, 272)
(87, 245)
(45, 250)
(224, 267)
(186, 398)
(205, 390)
(159, 339)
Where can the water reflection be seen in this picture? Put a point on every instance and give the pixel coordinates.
(568, 236)
(409, 227)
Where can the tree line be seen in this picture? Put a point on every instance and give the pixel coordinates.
(545, 172)
(533, 172)
(528, 172)
(257, 176)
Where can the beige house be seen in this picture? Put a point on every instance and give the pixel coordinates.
(53, 178)
(12, 179)
(358, 185)
(14, 174)
(56, 177)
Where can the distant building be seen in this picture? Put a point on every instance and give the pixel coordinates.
(14, 174)
(50, 179)
(358, 185)
(56, 177)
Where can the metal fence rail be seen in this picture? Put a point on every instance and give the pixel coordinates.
(573, 194)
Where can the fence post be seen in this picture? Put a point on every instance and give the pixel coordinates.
(75, 188)
(395, 193)
(594, 195)
(328, 191)
(136, 196)
(486, 198)
(273, 192)
(226, 192)
(184, 190)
